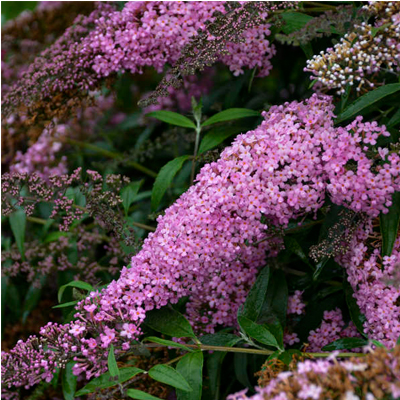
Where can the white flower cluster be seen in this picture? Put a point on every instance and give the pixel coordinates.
(362, 53)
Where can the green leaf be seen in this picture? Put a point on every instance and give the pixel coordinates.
(356, 316)
(166, 342)
(68, 381)
(191, 368)
(367, 100)
(129, 193)
(139, 395)
(106, 381)
(217, 135)
(255, 298)
(398, 341)
(197, 109)
(345, 344)
(258, 332)
(287, 356)
(320, 267)
(377, 343)
(375, 31)
(32, 299)
(54, 236)
(220, 339)
(389, 224)
(18, 225)
(293, 245)
(76, 195)
(172, 118)
(112, 363)
(275, 328)
(275, 303)
(240, 364)
(294, 21)
(168, 375)
(164, 179)
(76, 284)
(230, 114)
(13, 301)
(395, 120)
(170, 322)
(69, 304)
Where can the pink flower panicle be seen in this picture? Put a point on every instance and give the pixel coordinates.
(143, 34)
(375, 287)
(332, 328)
(205, 244)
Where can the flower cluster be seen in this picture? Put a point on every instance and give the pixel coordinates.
(340, 21)
(41, 158)
(362, 53)
(371, 277)
(43, 259)
(295, 303)
(295, 307)
(375, 376)
(26, 191)
(106, 42)
(331, 329)
(163, 29)
(212, 240)
(24, 37)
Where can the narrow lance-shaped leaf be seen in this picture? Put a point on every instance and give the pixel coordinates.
(389, 224)
(76, 284)
(32, 298)
(112, 363)
(191, 368)
(68, 382)
(367, 100)
(167, 343)
(18, 225)
(172, 118)
(68, 304)
(140, 395)
(129, 193)
(169, 376)
(214, 361)
(164, 179)
(356, 316)
(345, 344)
(294, 21)
(230, 114)
(395, 120)
(255, 298)
(170, 322)
(217, 135)
(106, 381)
(293, 245)
(258, 332)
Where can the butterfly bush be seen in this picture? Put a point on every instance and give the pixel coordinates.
(211, 242)
(363, 53)
(332, 328)
(374, 280)
(143, 34)
(42, 156)
(375, 376)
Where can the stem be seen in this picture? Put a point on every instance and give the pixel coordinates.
(197, 118)
(327, 6)
(299, 228)
(143, 226)
(36, 220)
(137, 224)
(111, 154)
(253, 351)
